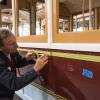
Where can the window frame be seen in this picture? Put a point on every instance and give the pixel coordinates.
(71, 37)
(36, 38)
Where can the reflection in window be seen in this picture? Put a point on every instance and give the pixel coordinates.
(64, 14)
(40, 26)
(40, 19)
(6, 15)
(32, 20)
(24, 23)
(76, 16)
(82, 24)
(63, 25)
(37, 18)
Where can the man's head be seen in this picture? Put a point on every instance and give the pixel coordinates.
(7, 41)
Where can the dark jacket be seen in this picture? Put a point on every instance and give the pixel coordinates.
(9, 82)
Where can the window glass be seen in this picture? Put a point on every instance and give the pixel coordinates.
(5, 14)
(78, 15)
(32, 18)
(78, 24)
(24, 23)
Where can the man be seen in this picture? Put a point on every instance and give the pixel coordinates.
(9, 61)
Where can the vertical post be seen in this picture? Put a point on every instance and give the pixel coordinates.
(90, 15)
(0, 16)
(15, 16)
(96, 18)
(64, 25)
(40, 25)
(76, 23)
(71, 23)
(49, 6)
(33, 17)
(83, 3)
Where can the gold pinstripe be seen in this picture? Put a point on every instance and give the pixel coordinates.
(68, 55)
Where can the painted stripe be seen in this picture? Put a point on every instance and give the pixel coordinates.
(68, 55)
(34, 45)
(77, 46)
(77, 56)
(91, 47)
(58, 97)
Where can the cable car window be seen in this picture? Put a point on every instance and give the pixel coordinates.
(78, 24)
(77, 16)
(32, 18)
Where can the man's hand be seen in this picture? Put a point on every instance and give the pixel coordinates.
(30, 55)
(40, 63)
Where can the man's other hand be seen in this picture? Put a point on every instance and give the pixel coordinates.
(40, 63)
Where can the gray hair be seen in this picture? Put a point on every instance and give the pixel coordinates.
(4, 33)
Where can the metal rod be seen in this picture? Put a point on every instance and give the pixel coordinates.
(0, 16)
(15, 16)
(90, 15)
(83, 3)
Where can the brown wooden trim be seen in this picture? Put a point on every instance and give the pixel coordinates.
(33, 39)
(78, 37)
(55, 18)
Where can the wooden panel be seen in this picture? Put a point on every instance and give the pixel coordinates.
(33, 39)
(78, 37)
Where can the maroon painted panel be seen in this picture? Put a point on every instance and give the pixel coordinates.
(64, 76)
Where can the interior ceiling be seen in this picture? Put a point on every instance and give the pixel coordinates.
(66, 7)
(23, 4)
(75, 6)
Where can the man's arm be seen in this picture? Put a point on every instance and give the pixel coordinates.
(22, 61)
(12, 82)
